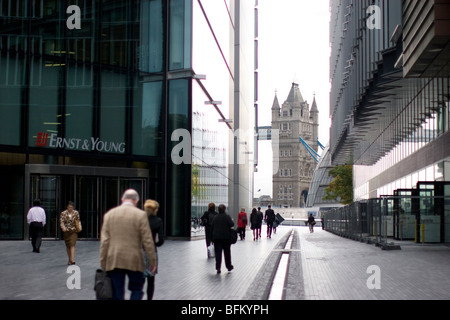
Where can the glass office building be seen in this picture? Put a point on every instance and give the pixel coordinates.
(100, 96)
(390, 73)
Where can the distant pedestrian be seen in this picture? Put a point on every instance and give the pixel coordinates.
(275, 225)
(261, 218)
(125, 232)
(67, 221)
(255, 223)
(206, 221)
(151, 207)
(242, 223)
(36, 219)
(221, 226)
(270, 218)
(311, 222)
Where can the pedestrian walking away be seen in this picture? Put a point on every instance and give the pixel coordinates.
(270, 218)
(125, 232)
(255, 223)
(261, 218)
(68, 220)
(242, 223)
(206, 221)
(311, 222)
(221, 234)
(151, 207)
(36, 220)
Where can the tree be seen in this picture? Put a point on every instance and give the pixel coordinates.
(341, 188)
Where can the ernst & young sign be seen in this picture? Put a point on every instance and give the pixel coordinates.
(46, 140)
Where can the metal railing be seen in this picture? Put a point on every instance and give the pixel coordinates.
(382, 220)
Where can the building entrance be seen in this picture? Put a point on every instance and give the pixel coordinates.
(93, 195)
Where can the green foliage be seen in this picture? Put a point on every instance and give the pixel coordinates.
(341, 188)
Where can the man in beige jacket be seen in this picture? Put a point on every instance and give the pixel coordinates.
(125, 234)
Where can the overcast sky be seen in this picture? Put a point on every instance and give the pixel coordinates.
(293, 47)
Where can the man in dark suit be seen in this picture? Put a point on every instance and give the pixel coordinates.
(269, 218)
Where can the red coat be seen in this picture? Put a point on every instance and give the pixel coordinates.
(240, 223)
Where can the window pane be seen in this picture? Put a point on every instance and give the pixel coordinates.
(47, 74)
(10, 115)
(178, 104)
(151, 51)
(13, 43)
(113, 105)
(43, 108)
(179, 176)
(180, 34)
(147, 120)
(79, 111)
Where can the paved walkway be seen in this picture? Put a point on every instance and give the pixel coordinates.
(336, 268)
(322, 266)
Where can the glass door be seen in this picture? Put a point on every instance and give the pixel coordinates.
(136, 184)
(446, 213)
(430, 218)
(89, 205)
(404, 217)
(46, 189)
(93, 197)
(115, 187)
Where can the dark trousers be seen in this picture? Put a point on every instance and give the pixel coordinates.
(208, 236)
(269, 228)
(241, 232)
(136, 282)
(36, 232)
(150, 287)
(225, 246)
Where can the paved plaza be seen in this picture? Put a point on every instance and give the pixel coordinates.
(322, 266)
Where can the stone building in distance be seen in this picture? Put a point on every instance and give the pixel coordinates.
(295, 119)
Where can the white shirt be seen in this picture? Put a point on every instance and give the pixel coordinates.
(36, 214)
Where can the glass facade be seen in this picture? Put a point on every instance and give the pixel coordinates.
(222, 119)
(390, 122)
(90, 95)
(360, 56)
(178, 175)
(209, 156)
(212, 56)
(380, 118)
(90, 99)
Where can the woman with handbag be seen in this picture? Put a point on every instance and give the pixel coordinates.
(70, 225)
(207, 219)
(221, 230)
